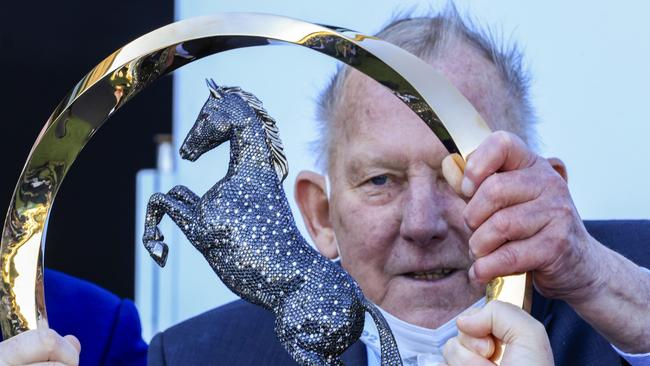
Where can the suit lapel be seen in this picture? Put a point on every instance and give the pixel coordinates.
(355, 355)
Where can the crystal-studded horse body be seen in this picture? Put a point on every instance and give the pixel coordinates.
(244, 228)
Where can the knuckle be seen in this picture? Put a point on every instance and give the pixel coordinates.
(560, 242)
(508, 258)
(502, 224)
(555, 180)
(48, 339)
(566, 209)
(504, 139)
(494, 187)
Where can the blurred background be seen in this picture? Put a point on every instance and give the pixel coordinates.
(590, 86)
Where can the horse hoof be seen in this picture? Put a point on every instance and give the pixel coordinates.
(158, 236)
(159, 252)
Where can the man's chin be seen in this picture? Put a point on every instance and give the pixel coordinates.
(430, 303)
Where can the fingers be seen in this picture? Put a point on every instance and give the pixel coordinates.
(525, 338)
(509, 224)
(504, 321)
(502, 190)
(501, 151)
(40, 345)
(514, 257)
(483, 346)
(457, 354)
(452, 170)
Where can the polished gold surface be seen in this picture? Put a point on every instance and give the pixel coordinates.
(509, 289)
(119, 77)
(515, 289)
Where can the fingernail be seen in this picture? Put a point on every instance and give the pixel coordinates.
(467, 187)
(471, 274)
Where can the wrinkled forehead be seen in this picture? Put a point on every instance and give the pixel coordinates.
(375, 128)
(364, 101)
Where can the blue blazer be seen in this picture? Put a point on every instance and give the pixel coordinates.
(107, 326)
(243, 334)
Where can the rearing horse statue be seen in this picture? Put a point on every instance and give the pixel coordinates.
(244, 228)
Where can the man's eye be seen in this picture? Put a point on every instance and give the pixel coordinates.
(379, 180)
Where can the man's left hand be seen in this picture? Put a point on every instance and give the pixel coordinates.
(524, 219)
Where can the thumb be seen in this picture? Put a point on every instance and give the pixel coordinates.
(452, 169)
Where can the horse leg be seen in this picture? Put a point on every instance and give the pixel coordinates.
(160, 204)
(288, 337)
(301, 334)
(184, 194)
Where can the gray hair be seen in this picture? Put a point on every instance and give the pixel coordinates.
(425, 37)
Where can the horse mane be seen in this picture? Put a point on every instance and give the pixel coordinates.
(278, 157)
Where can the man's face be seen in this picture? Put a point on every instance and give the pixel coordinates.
(398, 224)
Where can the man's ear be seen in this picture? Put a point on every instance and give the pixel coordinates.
(559, 167)
(311, 196)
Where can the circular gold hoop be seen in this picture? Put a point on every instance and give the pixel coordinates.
(129, 70)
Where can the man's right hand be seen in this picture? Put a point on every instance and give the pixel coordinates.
(525, 338)
(40, 346)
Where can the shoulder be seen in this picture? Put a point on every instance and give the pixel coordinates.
(95, 316)
(236, 333)
(627, 237)
(72, 303)
(60, 287)
(232, 318)
(238, 312)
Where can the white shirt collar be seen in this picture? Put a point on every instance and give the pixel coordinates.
(418, 346)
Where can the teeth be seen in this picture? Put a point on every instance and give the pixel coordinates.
(432, 275)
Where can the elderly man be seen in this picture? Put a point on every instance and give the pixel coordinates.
(423, 252)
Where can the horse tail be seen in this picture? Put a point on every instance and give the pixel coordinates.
(389, 352)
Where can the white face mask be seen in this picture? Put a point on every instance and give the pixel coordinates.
(418, 346)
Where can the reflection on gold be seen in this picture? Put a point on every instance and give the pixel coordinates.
(20, 270)
(516, 290)
(133, 67)
(361, 37)
(122, 81)
(513, 289)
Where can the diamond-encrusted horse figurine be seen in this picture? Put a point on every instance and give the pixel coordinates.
(244, 228)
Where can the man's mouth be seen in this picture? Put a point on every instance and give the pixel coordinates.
(432, 275)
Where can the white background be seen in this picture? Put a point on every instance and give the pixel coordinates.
(589, 61)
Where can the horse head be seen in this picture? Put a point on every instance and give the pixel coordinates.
(213, 126)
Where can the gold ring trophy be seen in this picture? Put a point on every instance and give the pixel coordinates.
(129, 70)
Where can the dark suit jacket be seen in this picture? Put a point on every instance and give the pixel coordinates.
(107, 326)
(243, 334)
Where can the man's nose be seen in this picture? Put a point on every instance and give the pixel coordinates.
(423, 214)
